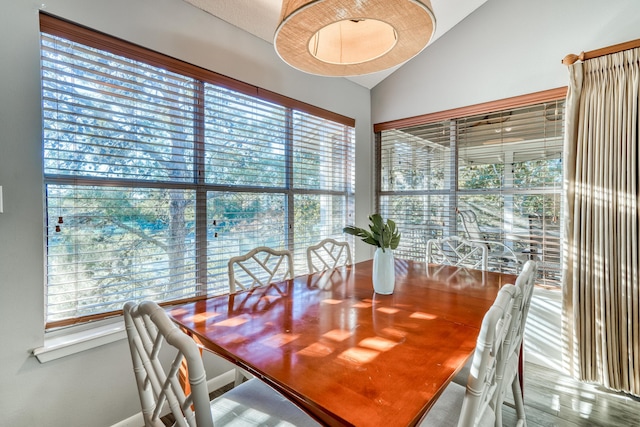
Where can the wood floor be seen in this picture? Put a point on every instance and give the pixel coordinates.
(552, 399)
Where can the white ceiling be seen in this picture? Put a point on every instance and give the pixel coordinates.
(260, 18)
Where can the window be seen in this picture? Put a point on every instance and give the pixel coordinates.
(501, 169)
(157, 172)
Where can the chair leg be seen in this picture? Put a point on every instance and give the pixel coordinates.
(521, 368)
(498, 411)
(239, 377)
(518, 401)
(499, 401)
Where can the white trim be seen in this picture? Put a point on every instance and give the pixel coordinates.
(77, 339)
(215, 383)
(221, 380)
(133, 421)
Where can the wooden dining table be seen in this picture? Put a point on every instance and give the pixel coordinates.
(344, 354)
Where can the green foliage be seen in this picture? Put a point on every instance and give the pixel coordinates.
(383, 234)
(150, 209)
(481, 176)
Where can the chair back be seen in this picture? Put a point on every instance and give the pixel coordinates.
(482, 385)
(470, 224)
(457, 251)
(526, 281)
(510, 360)
(259, 267)
(148, 327)
(327, 254)
(513, 341)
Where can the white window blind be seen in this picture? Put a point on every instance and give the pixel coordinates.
(155, 176)
(503, 168)
(417, 184)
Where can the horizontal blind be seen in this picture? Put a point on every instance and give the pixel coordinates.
(503, 168)
(323, 154)
(416, 179)
(323, 176)
(245, 140)
(155, 179)
(240, 221)
(510, 177)
(97, 106)
(113, 130)
(315, 192)
(108, 245)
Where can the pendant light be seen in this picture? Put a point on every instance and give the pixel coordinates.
(348, 38)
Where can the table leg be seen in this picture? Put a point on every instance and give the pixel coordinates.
(521, 368)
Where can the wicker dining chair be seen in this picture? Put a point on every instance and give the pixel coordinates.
(327, 254)
(509, 371)
(152, 336)
(474, 405)
(259, 267)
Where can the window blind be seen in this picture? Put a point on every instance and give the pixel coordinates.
(503, 168)
(417, 184)
(155, 178)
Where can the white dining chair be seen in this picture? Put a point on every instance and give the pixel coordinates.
(259, 267)
(508, 371)
(252, 403)
(457, 251)
(328, 254)
(475, 405)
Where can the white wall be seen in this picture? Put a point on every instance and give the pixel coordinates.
(508, 48)
(503, 49)
(96, 387)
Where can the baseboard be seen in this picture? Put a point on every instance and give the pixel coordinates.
(133, 421)
(212, 384)
(221, 380)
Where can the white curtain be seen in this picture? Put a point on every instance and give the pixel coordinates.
(601, 268)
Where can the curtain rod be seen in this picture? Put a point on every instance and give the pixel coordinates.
(571, 58)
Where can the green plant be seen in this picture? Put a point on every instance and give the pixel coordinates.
(383, 234)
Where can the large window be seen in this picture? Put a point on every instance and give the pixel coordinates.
(492, 176)
(157, 172)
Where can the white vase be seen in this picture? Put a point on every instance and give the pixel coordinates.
(384, 275)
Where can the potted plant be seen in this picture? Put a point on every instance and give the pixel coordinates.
(386, 237)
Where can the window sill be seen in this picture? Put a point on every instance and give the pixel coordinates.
(74, 340)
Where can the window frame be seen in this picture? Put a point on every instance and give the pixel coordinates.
(76, 33)
(451, 189)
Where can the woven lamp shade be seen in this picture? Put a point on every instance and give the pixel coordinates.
(348, 38)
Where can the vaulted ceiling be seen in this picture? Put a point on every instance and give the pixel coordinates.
(261, 18)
